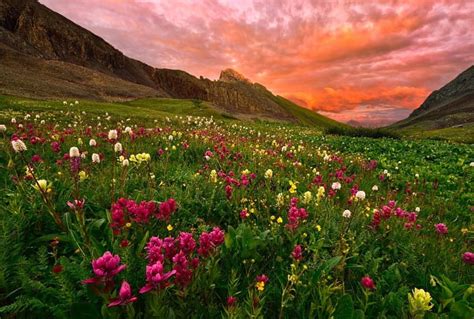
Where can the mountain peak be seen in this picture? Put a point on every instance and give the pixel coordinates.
(231, 76)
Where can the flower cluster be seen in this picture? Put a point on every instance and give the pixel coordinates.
(126, 210)
(295, 214)
(105, 268)
(389, 210)
(180, 255)
(261, 281)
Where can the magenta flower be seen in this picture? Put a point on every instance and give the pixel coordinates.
(140, 212)
(209, 241)
(154, 250)
(125, 296)
(441, 229)
(468, 258)
(367, 282)
(169, 245)
(231, 301)
(295, 215)
(105, 268)
(297, 253)
(166, 209)
(36, 159)
(217, 236)
(186, 242)
(262, 278)
(155, 277)
(244, 214)
(181, 266)
(76, 204)
(56, 147)
(228, 191)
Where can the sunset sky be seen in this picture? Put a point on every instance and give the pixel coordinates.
(371, 61)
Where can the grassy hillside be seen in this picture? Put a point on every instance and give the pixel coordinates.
(305, 116)
(141, 108)
(464, 134)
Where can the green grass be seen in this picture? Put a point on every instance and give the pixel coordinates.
(282, 165)
(305, 116)
(143, 108)
(463, 134)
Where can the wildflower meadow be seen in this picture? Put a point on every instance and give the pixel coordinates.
(106, 215)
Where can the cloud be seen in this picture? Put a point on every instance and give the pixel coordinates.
(327, 55)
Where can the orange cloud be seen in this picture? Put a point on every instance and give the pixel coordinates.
(335, 100)
(334, 56)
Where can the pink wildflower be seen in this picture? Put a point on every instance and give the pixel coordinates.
(125, 296)
(105, 268)
(367, 282)
(468, 258)
(441, 228)
(155, 277)
(297, 253)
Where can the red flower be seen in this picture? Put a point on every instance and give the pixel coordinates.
(57, 268)
(367, 282)
(262, 278)
(231, 301)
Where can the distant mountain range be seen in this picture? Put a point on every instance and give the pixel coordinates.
(45, 55)
(450, 106)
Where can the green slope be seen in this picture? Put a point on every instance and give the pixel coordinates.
(144, 108)
(305, 116)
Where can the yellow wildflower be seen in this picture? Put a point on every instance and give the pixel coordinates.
(419, 302)
(268, 174)
(213, 176)
(320, 193)
(307, 197)
(43, 186)
(293, 187)
(260, 285)
(280, 200)
(82, 176)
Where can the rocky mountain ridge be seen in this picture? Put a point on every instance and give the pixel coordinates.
(450, 106)
(30, 29)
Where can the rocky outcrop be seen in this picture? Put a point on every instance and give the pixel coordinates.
(461, 86)
(232, 76)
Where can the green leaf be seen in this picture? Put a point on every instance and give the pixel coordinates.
(461, 310)
(97, 223)
(50, 237)
(142, 244)
(83, 310)
(228, 241)
(358, 314)
(345, 308)
(327, 266)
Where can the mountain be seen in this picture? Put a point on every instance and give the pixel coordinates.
(450, 106)
(45, 55)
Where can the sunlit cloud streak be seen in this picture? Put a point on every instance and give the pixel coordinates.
(330, 56)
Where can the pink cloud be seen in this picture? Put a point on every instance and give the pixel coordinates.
(333, 56)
